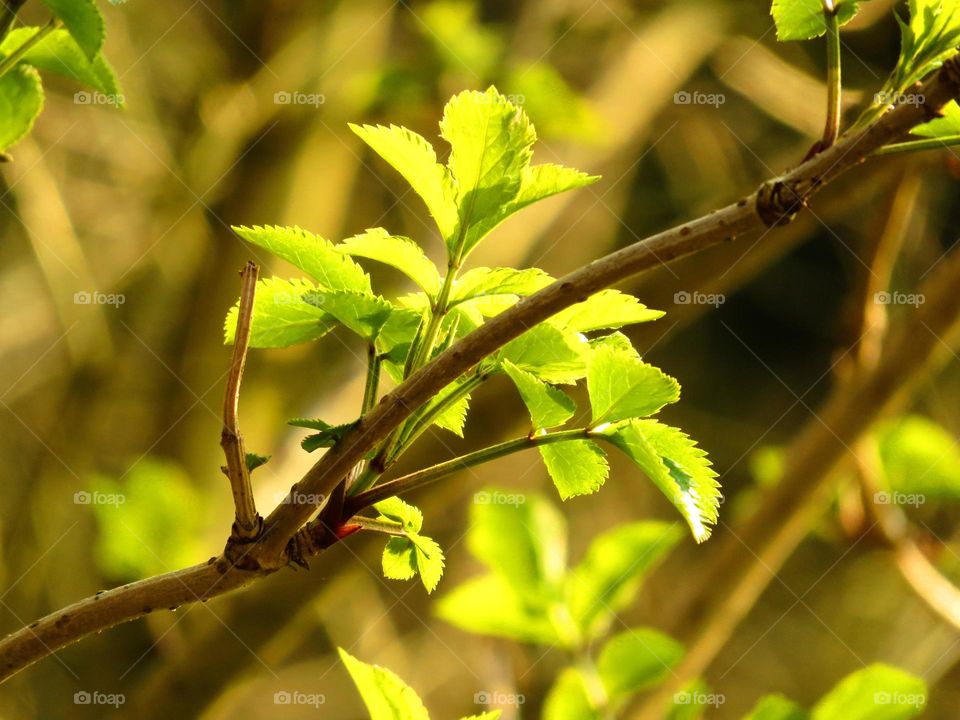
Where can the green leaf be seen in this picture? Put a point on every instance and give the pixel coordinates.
(281, 317)
(429, 559)
(488, 605)
(546, 353)
(486, 282)
(777, 707)
(947, 125)
(522, 538)
(399, 511)
(254, 461)
(58, 52)
(636, 660)
(21, 100)
(674, 463)
(607, 309)
(360, 312)
(622, 386)
(83, 20)
(537, 182)
(804, 19)
(569, 698)
(328, 435)
(609, 576)
(397, 334)
(386, 696)
(415, 159)
(490, 145)
(399, 560)
(877, 692)
(398, 252)
(926, 40)
(919, 457)
(311, 253)
(548, 406)
(577, 467)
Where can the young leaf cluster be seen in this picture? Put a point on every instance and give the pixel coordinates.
(70, 44)
(488, 176)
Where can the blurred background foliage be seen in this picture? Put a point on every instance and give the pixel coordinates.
(124, 399)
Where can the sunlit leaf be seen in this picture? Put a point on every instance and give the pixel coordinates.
(577, 467)
(83, 21)
(804, 19)
(21, 100)
(674, 463)
(398, 252)
(281, 316)
(548, 406)
(415, 159)
(58, 52)
(569, 698)
(386, 696)
(622, 386)
(311, 253)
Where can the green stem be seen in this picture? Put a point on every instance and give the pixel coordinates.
(834, 84)
(387, 527)
(14, 57)
(372, 384)
(425, 417)
(937, 143)
(431, 474)
(406, 436)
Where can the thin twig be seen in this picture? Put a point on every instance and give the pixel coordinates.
(248, 522)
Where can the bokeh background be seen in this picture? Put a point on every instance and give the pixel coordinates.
(124, 398)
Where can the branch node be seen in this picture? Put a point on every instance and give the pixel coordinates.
(778, 203)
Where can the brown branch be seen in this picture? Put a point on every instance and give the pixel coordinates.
(113, 607)
(774, 203)
(247, 524)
